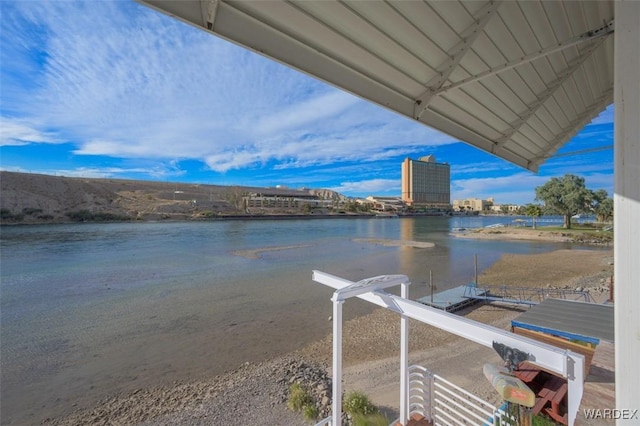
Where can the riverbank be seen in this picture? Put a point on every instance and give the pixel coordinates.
(29, 199)
(256, 393)
(590, 237)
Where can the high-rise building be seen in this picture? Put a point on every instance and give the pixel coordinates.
(426, 183)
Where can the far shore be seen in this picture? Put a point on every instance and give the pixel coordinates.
(539, 234)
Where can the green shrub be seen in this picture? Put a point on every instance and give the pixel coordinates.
(80, 215)
(357, 402)
(310, 411)
(6, 214)
(540, 420)
(377, 419)
(31, 210)
(298, 398)
(87, 216)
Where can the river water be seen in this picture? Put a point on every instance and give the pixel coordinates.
(91, 310)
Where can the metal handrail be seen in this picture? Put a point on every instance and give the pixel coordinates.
(522, 295)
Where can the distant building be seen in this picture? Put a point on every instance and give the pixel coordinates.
(501, 208)
(472, 204)
(282, 198)
(426, 183)
(383, 204)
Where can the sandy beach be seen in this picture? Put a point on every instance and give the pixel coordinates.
(256, 393)
(539, 234)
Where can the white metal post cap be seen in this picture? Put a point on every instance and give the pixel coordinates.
(369, 284)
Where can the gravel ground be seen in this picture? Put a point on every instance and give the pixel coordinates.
(255, 394)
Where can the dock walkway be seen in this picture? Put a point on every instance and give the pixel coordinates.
(451, 300)
(462, 296)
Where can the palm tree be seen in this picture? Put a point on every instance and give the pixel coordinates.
(534, 211)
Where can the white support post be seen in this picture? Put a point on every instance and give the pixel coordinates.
(575, 379)
(353, 289)
(627, 206)
(336, 410)
(404, 360)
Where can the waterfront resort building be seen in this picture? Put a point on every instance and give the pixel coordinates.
(277, 198)
(383, 204)
(426, 183)
(472, 204)
(505, 208)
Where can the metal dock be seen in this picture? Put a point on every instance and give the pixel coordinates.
(453, 299)
(462, 296)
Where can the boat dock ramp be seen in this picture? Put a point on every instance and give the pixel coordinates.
(465, 295)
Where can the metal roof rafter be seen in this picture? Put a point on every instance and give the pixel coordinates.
(209, 11)
(543, 97)
(385, 34)
(468, 37)
(350, 39)
(414, 26)
(602, 31)
(343, 72)
(598, 105)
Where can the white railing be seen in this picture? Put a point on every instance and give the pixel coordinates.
(420, 392)
(444, 403)
(453, 405)
(324, 422)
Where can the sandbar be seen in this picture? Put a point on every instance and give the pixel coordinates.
(395, 243)
(255, 253)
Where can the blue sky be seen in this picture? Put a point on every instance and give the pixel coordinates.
(114, 89)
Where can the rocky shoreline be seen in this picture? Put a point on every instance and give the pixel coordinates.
(253, 394)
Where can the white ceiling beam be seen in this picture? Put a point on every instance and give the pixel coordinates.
(583, 151)
(544, 96)
(463, 133)
(468, 37)
(577, 124)
(359, 45)
(400, 45)
(266, 39)
(591, 35)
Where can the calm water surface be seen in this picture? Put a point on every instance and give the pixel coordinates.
(90, 310)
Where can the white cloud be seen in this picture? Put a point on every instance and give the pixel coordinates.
(369, 187)
(481, 167)
(577, 167)
(606, 116)
(21, 132)
(306, 112)
(597, 181)
(518, 188)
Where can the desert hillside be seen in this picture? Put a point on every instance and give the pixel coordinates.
(34, 198)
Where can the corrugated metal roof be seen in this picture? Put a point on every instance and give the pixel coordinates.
(570, 319)
(516, 78)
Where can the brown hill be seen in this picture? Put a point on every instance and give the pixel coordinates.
(34, 198)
